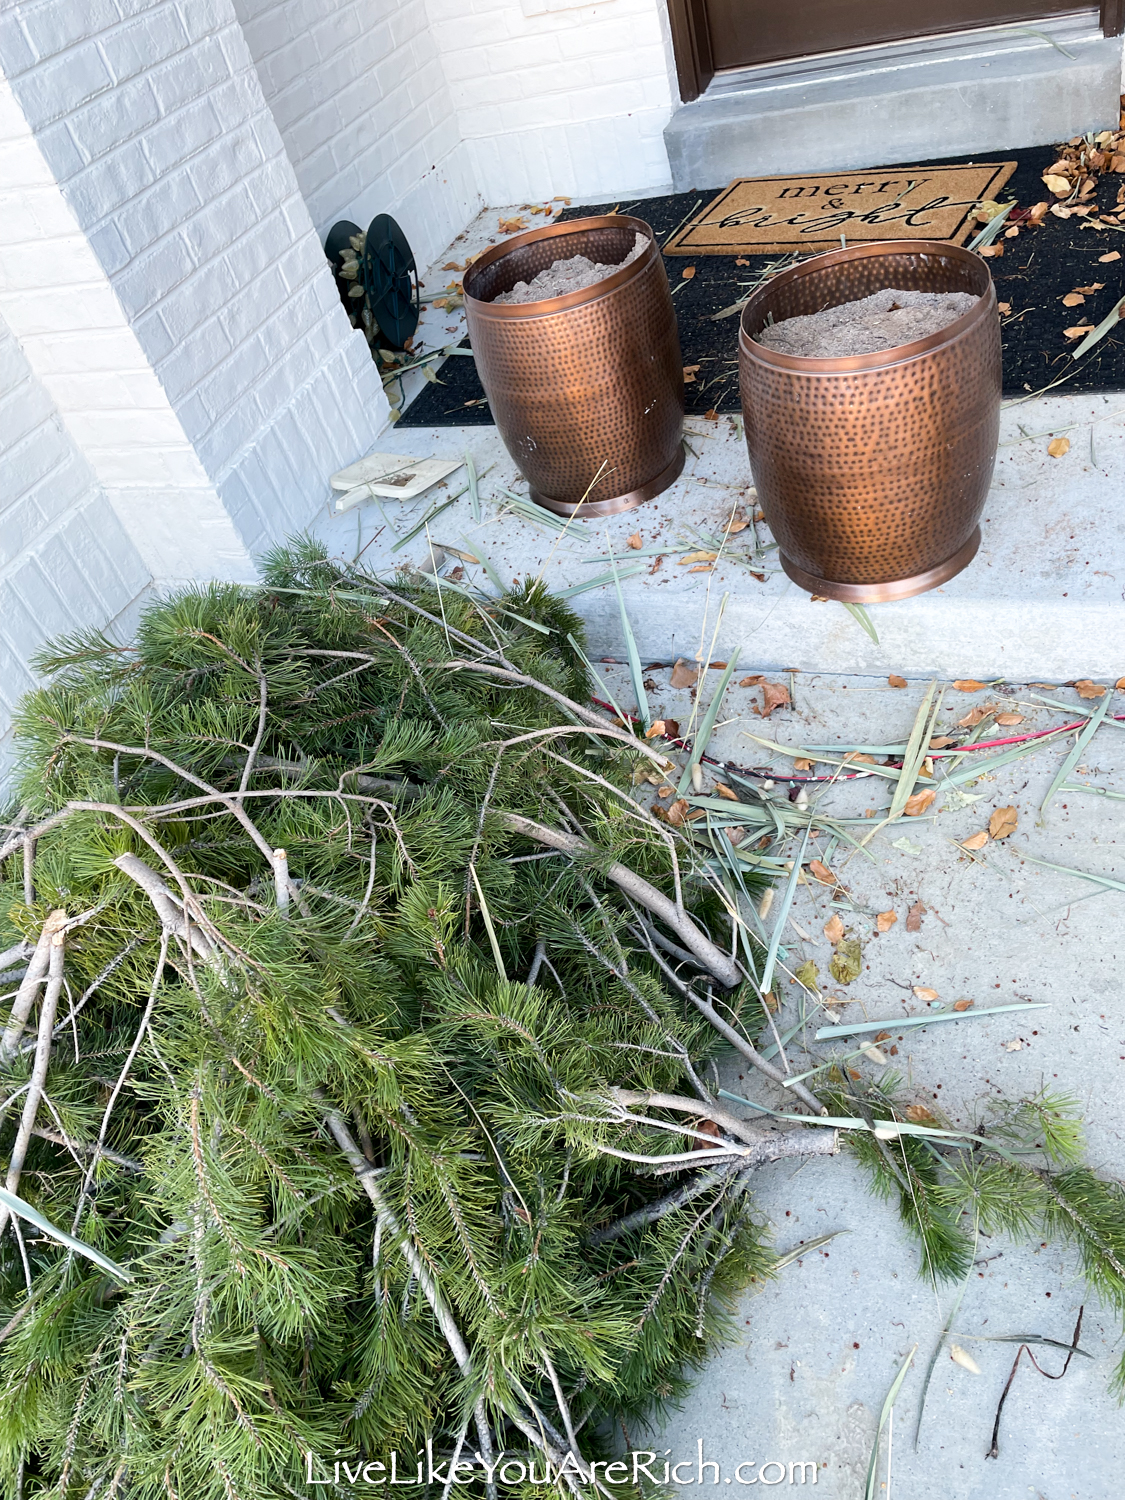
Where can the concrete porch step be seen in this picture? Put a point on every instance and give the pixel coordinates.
(1044, 598)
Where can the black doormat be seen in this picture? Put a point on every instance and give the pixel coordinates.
(1037, 269)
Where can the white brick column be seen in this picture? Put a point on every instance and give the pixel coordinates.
(195, 344)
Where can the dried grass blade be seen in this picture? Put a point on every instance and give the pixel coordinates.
(802, 1250)
(474, 491)
(783, 916)
(703, 734)
(1111, 320)
(888, 1404)
(434, 511)
(992, 228)
(487, 915)
(1075, 755)
(1103, 880)
(23, 1210)
(827, 1032)
(630, 570)
(916, 749)
(635, 672)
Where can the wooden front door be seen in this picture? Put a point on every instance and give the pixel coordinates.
(712, 36)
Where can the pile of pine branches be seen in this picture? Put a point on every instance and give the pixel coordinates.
(357, 1086)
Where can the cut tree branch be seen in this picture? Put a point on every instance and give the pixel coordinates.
(25, 995)
(47, 1012)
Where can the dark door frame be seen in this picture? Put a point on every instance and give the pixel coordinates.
(691, 42)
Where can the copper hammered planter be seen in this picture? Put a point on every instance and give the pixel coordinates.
(589, 381)
(873, 470)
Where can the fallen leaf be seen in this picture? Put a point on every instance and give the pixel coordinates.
(896, 682)
(969, 685)
(749, 681)
(774, 695)
(917, 805)
(1038, 212)
(1088, 689)
(453, 265)
(1007, 720)
(656, 729)
(986, 210)
(975, 715)
(689, 373)
(1104, 260)
(857, 755)
(977, 841)
(1120, 684)
(741, 262)
(695, 557)
(941, 741)
(1060, 186)
(677, 812)
(1013, 1046)
(1003, 822)
(665, 791)
(702, 568)
(923, 993)
(1072, 299)
(966, 1361)
(800, 764)
(992, 252)
(1003, 308)
(920, 1115)
(963, 1005)
(834, 928)
(703, 1127)
(885, 921)
(1080, 330)
(512, 226)
(735, 836)
(687, 273)
(807, 975)
(684, 674)
(725, 791)
(847, 961)
(1088, 291)
(1013, 233)
(711, 416)
(634, 541)
(821, 872)
(1060, 212)
(914, 917)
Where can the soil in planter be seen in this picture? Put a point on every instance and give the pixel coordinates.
(882, 321)
(571, 275)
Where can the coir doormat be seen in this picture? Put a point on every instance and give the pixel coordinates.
(1036, 270)
(770, 215)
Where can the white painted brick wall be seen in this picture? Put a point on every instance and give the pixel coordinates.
(66, 561)
(150, 116)
(568, 101)
(361, 100)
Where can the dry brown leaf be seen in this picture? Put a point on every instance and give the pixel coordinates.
(695, 557)
(1088, 291)
(920, 1115)
(895, 681)
(703, 1127)
(741, 262)
(725, 791)
(1013, 233)
(684, 674)
(969, 685)
(750, 681)
(1003, 308)
(453, 265)
(977, 841)
(1038, 212)
(923, 992)
(1009, 719)
(1060, 186)
(1078, 331)
(689, 373)
(1072, 299)
(634, 541)
(737, 523)
(664, 791)
(963, 1005)
(918, 804)
(1088, 689)
(992, 252)
(512, 226)
(820, 871)
(975, 715)
(801, 764)
(774, 695)
(677, 812)
(941, 741)
(736, 835)
(656, 730)
(1003, 822)
(687, 273)
(1104, 260)
(702, 568)
(1059, 211)
(914, 917)
(1060, 446)
(834, 928)
(1120, 684)
(885, 921)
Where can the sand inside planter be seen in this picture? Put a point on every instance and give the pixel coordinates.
(571, 275)
(882, 321)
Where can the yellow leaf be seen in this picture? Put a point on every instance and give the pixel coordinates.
(1003, 822)
(1058, 447)
(1060, 186)
(694, 557)
(977, 841)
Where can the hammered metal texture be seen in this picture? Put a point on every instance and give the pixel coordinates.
(590, 379)
(872, 471)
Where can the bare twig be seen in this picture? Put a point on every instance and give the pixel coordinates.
(25, 995)
(171, 912)
(39, 1068)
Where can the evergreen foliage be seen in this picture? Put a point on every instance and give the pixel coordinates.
(371, 1054)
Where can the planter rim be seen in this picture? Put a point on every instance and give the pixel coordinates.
(583, 295)
(800, 364)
